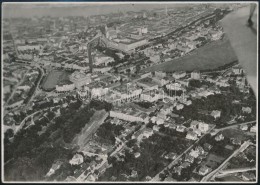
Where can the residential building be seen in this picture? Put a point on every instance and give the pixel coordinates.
(204, 170)
(77, 159)
(66, 86)
(160, 74)
(180, 128)
(203, 127)
(195, 75)
(247, 110)
(189, 159)
(219, 137)
(179, 74)
(215, 114)
(253, 128)
(191, 135)
(237, 70)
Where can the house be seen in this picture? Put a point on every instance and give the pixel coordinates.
(179, 106)
(169, 179)
(189, 158)
(200, 149)
(134, 173)
(156, 128)
(244, 127)
(180, 128)
(194, 124)
(77, 159)
(153, 119)
(237, 70)
(194, 153)
(215, 114)
(191, 135)
(219, 137)
(54, 167)
(159, 121)
(161, 115)
(203, 127)
(137, 154)
(236, 141)
(178, 170)
(247, 176)
(170, 155)
(253, 128)
(247, 110)
(185, 164)
(195, 75)
(197, 131)
(179, 74)
(229, 147)
(148, 132)
(204, 170)
(160, 74)
(207, 146)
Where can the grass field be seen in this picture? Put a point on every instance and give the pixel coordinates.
(210, 56)
(53, 78)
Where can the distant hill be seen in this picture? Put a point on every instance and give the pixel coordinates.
(210, 56)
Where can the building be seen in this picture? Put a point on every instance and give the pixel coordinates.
(189, 159)
(155, 58)
(103, 60)
(247, 110)
(180, 128)
(194, 153)
(179, 74)
(77, 159)
(29, 47)
(171, 156)
(137, 154)
(253, 128)
(191, 135)
(219, 137)
(203, 127)
(237, 70)
(204, 170)
(126, 117)
(160, 74)
(195, 75)
(65, 86)
(142, 30)
(194, 124)
(148, 132)
(80, 79)
(215, 113)
(244, 127)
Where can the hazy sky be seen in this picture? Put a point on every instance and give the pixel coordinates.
(68, 9)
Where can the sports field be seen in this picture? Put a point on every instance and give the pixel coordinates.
(210, 56)
(53, 78)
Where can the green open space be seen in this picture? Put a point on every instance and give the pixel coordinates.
(53, 78)
(211, 56)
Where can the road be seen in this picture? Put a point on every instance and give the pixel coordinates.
(211, 174)
(156, 178)
(15, 88)
(23, 121)
(236, 170)
(37, 85)
(233, 126)
(96, 120)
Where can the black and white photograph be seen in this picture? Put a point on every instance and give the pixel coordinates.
(127, 92)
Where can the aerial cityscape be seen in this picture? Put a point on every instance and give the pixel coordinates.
(127, 94)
